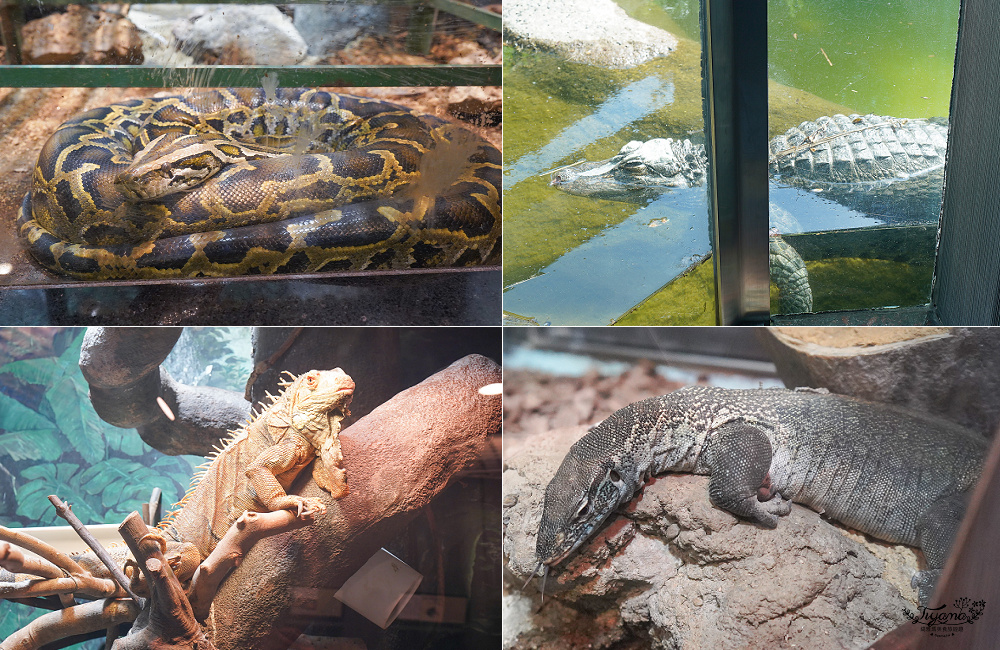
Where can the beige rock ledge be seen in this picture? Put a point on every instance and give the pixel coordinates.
(597, 32)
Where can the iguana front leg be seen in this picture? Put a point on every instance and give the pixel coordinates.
(284, 461)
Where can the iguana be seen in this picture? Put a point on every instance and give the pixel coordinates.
(899, 476)
(255, 466)
(252, 470)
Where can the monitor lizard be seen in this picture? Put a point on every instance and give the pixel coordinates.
(900, 476)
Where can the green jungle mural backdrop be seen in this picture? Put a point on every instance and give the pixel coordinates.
(53, 442)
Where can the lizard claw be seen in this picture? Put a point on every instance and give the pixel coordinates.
(301, 506)
(309, 507)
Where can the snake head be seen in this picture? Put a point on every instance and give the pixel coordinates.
(171, 163)
(577, 501)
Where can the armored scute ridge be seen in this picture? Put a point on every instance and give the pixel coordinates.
(858, 149)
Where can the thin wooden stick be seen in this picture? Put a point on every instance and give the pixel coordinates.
(155, 506)
(40, 548)
(110, 636)
(171, 622)
(86, 585)
(63, 511)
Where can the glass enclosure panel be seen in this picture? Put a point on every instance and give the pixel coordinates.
(856, 160)
(605, 222)
(297, 439)
(430, 59)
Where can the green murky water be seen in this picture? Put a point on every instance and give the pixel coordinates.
(575, 260)
(890, 57)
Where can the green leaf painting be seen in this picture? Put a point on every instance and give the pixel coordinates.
(53, 442)
(76, 418)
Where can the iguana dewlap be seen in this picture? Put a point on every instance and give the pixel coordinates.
(255, 467)
(897, 475)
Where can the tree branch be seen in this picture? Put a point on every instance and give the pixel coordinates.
(78, 619)
(14, 560)
(231, 549)
(40, 548)
(85, 585)
(63, 511)
(170, 621)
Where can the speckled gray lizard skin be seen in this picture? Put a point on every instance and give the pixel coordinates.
(899, 476)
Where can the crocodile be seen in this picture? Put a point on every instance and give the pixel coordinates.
(899, 476)
(886, 167)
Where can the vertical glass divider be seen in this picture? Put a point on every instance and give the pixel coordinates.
(966, 290)
(734, 62)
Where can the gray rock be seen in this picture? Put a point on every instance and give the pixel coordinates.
(328, 28)
(673, 571)
(598, 32)
(259, 33)
(156, 29)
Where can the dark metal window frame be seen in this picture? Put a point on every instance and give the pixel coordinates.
(734, 79)
(966, 285)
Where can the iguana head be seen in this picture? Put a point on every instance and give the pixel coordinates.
(316, 403)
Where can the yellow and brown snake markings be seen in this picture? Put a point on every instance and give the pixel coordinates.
(235, 182)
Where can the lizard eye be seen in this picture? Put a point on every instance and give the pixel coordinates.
(584, 509)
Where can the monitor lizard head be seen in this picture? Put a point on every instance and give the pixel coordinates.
(577, 501)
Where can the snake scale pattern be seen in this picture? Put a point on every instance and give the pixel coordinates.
(240, 181)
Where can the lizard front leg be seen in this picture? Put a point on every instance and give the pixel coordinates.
(282, 460)
(936, 530)
(739, 458)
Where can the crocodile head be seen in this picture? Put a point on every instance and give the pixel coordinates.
(640, 172)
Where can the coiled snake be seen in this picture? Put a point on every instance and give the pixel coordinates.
(233, 182)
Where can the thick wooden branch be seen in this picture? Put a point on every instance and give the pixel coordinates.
(64, 511)
(398, 458)
(233, 547)
(78, 619)
(40, 548)
(171, 621)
